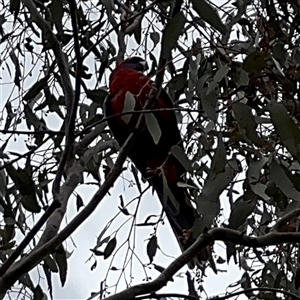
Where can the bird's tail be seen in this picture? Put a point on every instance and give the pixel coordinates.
(179, 210)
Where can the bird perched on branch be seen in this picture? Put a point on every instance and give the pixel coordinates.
(129, 89)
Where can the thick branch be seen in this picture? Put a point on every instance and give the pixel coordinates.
(216, 234)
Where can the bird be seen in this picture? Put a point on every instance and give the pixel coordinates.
(152, 158)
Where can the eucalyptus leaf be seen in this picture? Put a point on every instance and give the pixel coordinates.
(152, 247)
(209, 15)
(171, 34)
(129, 105)
(153, 127)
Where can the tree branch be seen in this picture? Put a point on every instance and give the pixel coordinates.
(215, 234)
(36, 256)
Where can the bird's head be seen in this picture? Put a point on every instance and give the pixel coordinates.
(134, 63)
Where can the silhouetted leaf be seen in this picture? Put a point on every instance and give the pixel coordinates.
(26, 186)
(209, 103)
(278, 175)
(79, 202)
(154, 36)
(38, 293)
(219, 160)
(179, 153)
(51, 264)
(171, 34)
(61, 260)
(98, 96)
(285, 127)
(241, 209)
(152, 247)
(255, 62)
(246, 122)
(110, 247)
(153, 127)
(15, 7)
(36, 88)
(209, 15)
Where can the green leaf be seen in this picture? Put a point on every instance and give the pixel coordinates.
(154, 36)
(26, 187)
(278, 175)
(38, 293)
(178, 81)
(129, 105)
(209, 103)
(209, 15)
(109, 5)
(3, 183)
(255, 62)
(220, 74)
(219, 159)
(79, 202)
(208, 203)
(61, 260)
(51, 264)
(36, 88)
(286, 128)
(110, 247)
(98, 96)
(15, 7)
(152, 247)
(247, 123)
(179, 153)
(101, 242)
(171, 34)
(241, 209)
(57, 12)
(253, 176)
(153, 127)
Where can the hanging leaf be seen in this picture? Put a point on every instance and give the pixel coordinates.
(152, 247)
(220, 74)
(61, 260)
(3, 181)
(255, 62)
(36, 88)
(98, 96)
(51, 264)
(171, 34)
(153, 127)
(246, 122)
(154, 36)
(38, 293)
(16, 63)
(209, 103)
(129, 105)
(26, 186)
(241, 209)
(219, 160)
(79, 202)
(179, 153)
(15, 7)
(110, 247)
(209, 15)
(109, 5)
(286, 128)
(57, 12)
(278, 175)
